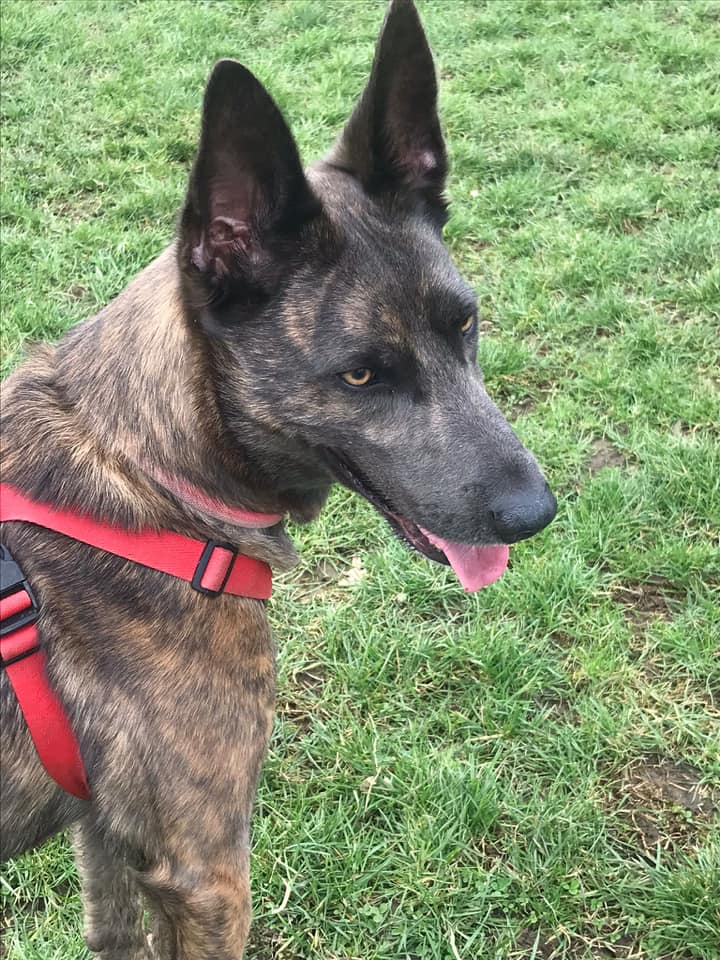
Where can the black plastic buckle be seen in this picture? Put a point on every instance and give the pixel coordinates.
(12, 580)
(202, 565)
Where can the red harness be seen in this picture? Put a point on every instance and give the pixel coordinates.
(211, 568)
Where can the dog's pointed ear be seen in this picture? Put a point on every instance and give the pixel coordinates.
(393, 138)
(247, 193)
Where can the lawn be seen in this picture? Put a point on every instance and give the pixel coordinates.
(532, 771)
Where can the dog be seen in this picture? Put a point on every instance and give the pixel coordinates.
(305, 328)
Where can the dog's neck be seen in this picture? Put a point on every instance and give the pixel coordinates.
(135, 399)
(198, 499)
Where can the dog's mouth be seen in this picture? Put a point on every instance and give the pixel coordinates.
(475, 566)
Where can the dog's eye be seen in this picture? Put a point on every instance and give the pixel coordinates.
(469, 325)
(360, 377)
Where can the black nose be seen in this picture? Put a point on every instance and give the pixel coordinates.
(517, 516)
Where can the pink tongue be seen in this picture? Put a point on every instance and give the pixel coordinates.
(476, 567)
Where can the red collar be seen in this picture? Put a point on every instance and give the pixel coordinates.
(197, 498)
(211, 567)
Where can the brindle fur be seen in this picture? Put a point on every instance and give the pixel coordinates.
(219, 366)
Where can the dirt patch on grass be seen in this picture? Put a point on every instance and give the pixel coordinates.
(326, 580)
(314, 580)
(521, 392)
(298, 699)
(681, 429)
(521, 409)
(311, 677)
(651, 599)
(604, 454)
(674, 783)
(264, 944)
(296, 712)
(77, 292)
(562, 640)
(534, 943)
(664, 803)
(554, 703)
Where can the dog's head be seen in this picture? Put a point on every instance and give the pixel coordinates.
(342, 337)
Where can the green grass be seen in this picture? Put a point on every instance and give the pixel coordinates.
(509, 774)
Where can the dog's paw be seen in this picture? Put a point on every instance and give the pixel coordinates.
(128, 950)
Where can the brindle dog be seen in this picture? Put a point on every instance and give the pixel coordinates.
(306, 328)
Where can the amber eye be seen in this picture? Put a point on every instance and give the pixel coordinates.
(468, 325)
(360, 377)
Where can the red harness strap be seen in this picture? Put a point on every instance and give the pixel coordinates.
(211, 568)
(24, 663)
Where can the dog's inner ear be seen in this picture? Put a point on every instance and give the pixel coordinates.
(248, 194)
(393, 138)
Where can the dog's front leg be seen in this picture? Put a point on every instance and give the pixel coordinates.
(112, 900)
(195, 872)
(205, 910)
